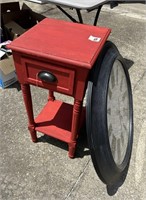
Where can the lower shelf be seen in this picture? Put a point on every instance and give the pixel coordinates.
(55, 120)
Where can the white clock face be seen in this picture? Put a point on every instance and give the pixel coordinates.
(118, 113)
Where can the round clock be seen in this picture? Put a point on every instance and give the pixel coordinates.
(109, 116)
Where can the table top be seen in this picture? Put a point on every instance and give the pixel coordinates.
(86, 4)
(61, 41)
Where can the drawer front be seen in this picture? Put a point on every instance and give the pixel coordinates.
(64, 78)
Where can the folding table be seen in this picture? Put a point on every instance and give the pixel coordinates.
(84, 5)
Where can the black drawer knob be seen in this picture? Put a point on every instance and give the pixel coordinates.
(47, 76)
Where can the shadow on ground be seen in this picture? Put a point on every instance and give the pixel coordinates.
(82, 144)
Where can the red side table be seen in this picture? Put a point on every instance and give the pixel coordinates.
(58, 56)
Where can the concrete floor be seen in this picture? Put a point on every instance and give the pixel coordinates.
(43, 171)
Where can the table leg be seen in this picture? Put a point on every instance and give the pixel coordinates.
(51, 96)
(29, 108)
(77, 108)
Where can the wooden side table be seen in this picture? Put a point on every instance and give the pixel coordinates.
(58, 56)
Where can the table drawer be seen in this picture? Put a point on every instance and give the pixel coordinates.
(64, 78)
